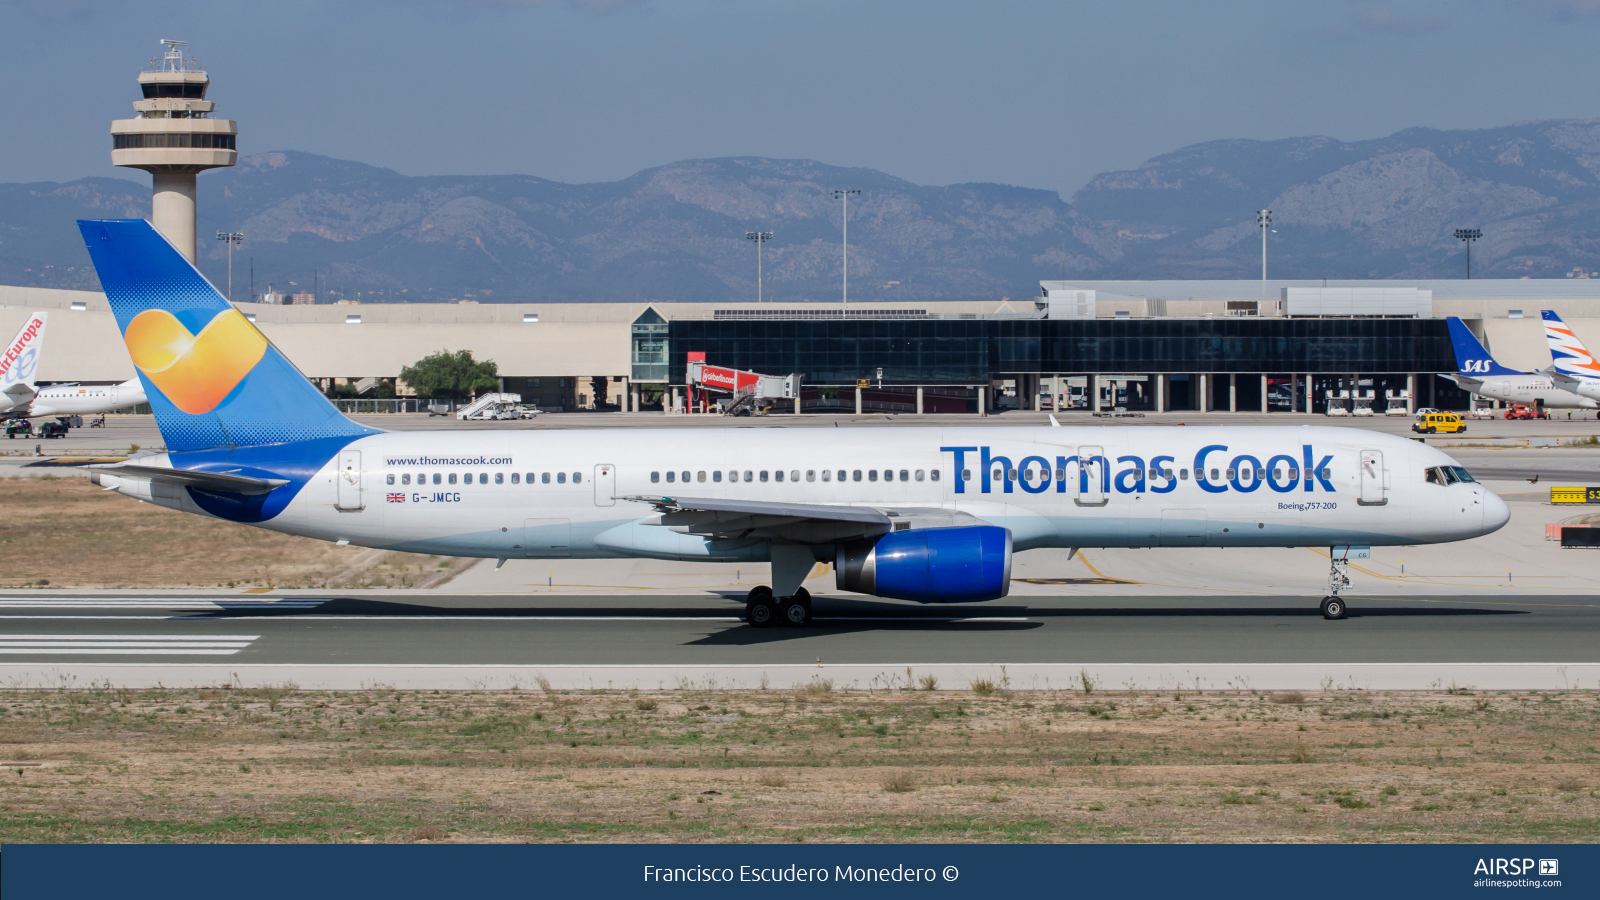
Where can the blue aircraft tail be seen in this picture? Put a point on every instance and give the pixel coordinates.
(1471, 359)
(212, 378)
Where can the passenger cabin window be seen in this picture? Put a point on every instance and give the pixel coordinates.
(655, 477)
(500, 477)
(872, 474)
(516, 477)
(919, 474)
(483, 477)
(561, 478)
(452, 478)
(672, 477)
(827, 474)
(717, 475)
(700, 477)
(545, 478)
(763, 474)
(575, 478)
(933, 474)
(390, 479)
(578, 476)
(811, 474)
(794, 474)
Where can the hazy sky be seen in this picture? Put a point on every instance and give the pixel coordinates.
(1041, 94)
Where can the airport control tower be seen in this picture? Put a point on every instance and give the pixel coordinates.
(174, 139)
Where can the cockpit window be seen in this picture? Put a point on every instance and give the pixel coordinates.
(1463, 475)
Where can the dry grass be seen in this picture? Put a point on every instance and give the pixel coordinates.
(899, 781)
(395, 766)
(65, 532)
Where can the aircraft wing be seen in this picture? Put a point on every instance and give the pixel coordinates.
(215, 481)
(748, 521)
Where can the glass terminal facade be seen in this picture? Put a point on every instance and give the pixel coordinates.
(903, 360)
(935, 351)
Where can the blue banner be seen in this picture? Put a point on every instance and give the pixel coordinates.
(392, 872)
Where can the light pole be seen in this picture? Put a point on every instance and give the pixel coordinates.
(1468, 235)
(231, 237)
(760, 237)
(844, 194)
(1264, 222)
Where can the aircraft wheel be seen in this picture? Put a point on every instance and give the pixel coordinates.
(761, 613)
(795, 611)
(760, 609)
(1333, 608)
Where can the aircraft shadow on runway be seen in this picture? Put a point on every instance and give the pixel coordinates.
(836, 613)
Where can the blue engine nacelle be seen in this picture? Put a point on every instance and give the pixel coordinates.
(929, 565)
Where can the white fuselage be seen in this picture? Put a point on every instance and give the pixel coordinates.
(1529, 389)
(81, 400)
(469, 493)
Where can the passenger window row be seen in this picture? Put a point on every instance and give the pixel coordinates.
(764, 475)
(483, 477)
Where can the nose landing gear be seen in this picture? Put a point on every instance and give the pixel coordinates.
(1338, 580)
(762, 609)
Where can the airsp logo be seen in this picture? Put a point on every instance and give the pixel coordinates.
(1502, 866)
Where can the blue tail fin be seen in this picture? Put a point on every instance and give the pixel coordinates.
(1471, 359)
(212, 378)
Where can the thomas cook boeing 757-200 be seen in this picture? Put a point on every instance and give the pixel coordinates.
(924, 514)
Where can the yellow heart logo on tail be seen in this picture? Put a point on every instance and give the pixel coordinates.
(194, 371)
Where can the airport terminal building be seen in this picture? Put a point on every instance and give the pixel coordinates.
(1276, 346)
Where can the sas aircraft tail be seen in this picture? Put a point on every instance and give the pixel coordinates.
(19, 363)
(212, 378)
(1472, 361)
(1570, 357)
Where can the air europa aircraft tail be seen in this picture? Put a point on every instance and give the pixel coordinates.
(212, 379)
(19, 361)
(1471, 359)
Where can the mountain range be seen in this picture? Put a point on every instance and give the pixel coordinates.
(1383, 208)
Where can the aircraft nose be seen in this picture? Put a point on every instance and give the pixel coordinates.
(1495, 512)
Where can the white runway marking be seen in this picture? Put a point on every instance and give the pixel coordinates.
(147, 603)
(124, 644)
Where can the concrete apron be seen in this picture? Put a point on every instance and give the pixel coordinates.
(1226, 677)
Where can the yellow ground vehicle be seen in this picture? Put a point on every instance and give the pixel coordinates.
(1440, 423)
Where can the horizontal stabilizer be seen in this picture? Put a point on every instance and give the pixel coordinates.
(210, 481)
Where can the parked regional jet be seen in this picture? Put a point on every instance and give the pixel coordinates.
(924, 514)
(21, 399)
(1481, 375)
(1573, 367)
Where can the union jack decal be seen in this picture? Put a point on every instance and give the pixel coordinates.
(397, 498)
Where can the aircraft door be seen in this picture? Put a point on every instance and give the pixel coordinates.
(1093, 477)
(349, 480)
(605, 485)
(1374, 479)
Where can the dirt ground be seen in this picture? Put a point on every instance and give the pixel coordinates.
(811, 765)
(68, 533)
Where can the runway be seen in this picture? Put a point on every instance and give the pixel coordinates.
(430, 640)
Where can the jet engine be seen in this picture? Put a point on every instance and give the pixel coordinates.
(929, 565)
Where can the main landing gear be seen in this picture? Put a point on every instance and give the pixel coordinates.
(1333, 607)
(762, 609)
